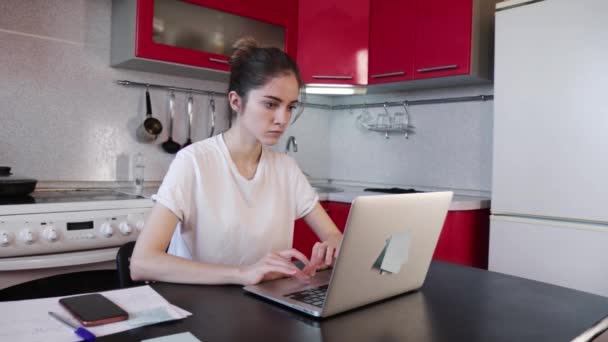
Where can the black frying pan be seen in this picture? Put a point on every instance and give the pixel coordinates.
(11, 186)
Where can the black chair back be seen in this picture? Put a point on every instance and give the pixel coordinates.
(123, 261)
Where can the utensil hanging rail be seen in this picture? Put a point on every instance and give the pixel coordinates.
(173, 88)
(401, 103)
(323, 106)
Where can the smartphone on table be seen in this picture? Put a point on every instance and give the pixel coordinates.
(93, 309)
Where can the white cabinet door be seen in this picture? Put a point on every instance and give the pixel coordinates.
(556, 252)
(551, 110)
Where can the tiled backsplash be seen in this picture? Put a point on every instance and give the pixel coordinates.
(451, 147)
(64, 118)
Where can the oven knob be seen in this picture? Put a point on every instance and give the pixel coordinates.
(27, 236)
(125, 228)
(106, 229)
(50, 234)
(140, 225)
(5, 239)
(137, 221)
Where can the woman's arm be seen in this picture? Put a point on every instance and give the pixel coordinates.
(323, 252)
(150, 261)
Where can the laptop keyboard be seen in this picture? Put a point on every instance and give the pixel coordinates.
(314, 297)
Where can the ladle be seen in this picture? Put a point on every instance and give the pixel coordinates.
(171, 146)
(212, 114)
(151, 127)
(189, 106)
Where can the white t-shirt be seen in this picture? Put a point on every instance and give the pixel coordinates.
(225, 218)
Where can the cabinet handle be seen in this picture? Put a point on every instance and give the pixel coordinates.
(443, 67)
(333, 77)
(389, 74)
(217, 60)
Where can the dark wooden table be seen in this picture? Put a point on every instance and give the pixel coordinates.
(456, 303)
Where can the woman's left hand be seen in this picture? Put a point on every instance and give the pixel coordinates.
(324, 253)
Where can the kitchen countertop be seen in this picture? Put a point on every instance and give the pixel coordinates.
(459, 202)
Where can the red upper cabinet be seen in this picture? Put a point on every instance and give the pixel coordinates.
(443, 38)
(440, 42)
(391, 41)
(453, 38)
(333, 41)
(195, 37)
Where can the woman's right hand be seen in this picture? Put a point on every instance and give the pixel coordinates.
(273, 265)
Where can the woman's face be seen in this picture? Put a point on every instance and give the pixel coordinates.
(268, 109)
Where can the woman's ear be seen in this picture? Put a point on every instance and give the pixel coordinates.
(235, 101)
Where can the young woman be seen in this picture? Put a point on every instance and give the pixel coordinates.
(227, 205)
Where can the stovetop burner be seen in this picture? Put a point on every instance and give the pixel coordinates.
(68, 196)
(393, 190)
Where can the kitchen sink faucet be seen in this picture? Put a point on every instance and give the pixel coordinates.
(291, 141)
(288, 147)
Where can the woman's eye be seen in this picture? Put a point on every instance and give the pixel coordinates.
(269, 105)
(292, 108)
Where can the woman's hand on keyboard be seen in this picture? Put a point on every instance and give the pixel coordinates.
(274, 265)
(324, 253)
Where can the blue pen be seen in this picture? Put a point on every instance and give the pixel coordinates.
(80, 331)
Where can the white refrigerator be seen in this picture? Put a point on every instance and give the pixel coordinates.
(550, 151)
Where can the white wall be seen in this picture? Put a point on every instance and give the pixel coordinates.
(451, 147)
(64, 119)
(313, 136)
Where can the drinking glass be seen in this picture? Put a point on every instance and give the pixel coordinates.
(398, 120)
(382, 120)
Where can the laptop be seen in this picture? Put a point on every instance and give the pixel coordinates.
(386, 250)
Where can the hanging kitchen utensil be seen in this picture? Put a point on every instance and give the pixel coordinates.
(171, 146)
(406, 121)
(149, 130)
(14, 186)
(189, 111)
(212, 114)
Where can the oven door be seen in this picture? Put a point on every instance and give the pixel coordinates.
(17, 270)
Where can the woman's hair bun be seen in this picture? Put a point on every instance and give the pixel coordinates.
(243, 48)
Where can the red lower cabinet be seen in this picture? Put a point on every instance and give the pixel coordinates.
(465, 237)
(304, 238)
(338, 212)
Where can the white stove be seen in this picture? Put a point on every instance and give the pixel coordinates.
(61, 231)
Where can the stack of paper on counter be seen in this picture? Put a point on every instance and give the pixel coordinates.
(28, 320)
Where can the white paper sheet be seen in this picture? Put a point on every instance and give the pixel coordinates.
(28, 320)
(183, 337)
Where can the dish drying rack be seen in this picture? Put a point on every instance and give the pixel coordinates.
(397, 123)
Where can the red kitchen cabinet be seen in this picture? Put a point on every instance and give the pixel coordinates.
(453, 38)
(338, 212)
(465, 238)
(391, 40)
(194, 38)
(304, 238)
(333, 41)
(443, 38)
(430, 42)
